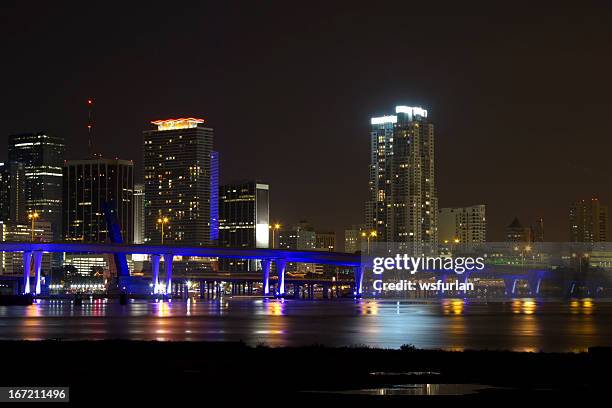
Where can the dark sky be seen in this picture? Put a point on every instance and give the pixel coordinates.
(520, 95)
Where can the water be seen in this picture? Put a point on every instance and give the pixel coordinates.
(453, 324)
(417, 389)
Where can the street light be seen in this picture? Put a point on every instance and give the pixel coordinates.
(33, 216)
(162, 221)
(274, 228)
(372, 234)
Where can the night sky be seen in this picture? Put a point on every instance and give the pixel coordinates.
(520, 96)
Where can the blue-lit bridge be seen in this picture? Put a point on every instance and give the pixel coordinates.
(32, 259)
(511, 274)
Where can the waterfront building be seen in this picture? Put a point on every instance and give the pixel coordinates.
(89, 186)
(12, 192)
(463, 225)
(516, 232)
(403, 203)
(138, 214)
(244, 220)
(588, 220)
(178, 179)
(42, 157)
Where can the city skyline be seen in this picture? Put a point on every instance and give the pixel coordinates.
(513, 142)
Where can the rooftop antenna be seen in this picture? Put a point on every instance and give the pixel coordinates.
(90, 126)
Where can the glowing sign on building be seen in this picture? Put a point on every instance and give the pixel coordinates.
(179, 123)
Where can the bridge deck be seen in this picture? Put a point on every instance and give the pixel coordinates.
(318, 257)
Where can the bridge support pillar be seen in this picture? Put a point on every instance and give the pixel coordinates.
(37, 270)
(466, 278)
(265, 268)
(571, 286)
(155, 273)
(358, 290)
(27, 262)
(281, 264)
(168, 266)
(534, 286)
(442, 278)
(592, 288)
(510, 284)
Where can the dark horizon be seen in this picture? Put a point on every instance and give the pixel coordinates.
(520, 103)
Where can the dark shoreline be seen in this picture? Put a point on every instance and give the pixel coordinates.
(141, 370)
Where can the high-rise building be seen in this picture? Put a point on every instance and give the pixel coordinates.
(244, 219)
(12, 192)
(139, 214)
(301, 237)
(352, 239)
(325, 241)
(297, 238)
(89, 186)
(538, 231)
(515, 232)
(467, 225)
(588, 221)
(178, 169)
(403, 204)
(42, 156)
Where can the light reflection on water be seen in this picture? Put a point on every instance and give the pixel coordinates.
(456, 324)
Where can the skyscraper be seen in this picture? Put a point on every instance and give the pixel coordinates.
(12, 192)
(302, 237)
(353, 239)
(244, 217)
(403, 204)
(42, 156)
(588, 221)
(325, 241)
(177, 175)
(89, 185)
(139, 213)
(538, 231)
(467, 225)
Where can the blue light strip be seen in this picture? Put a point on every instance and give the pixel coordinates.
(214, 196)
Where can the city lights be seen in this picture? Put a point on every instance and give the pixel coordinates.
(163, 221)
(179, 123)
(33, 217)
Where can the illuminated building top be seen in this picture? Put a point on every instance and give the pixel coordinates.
(411, 110)
(179, 123)
(384, 119)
